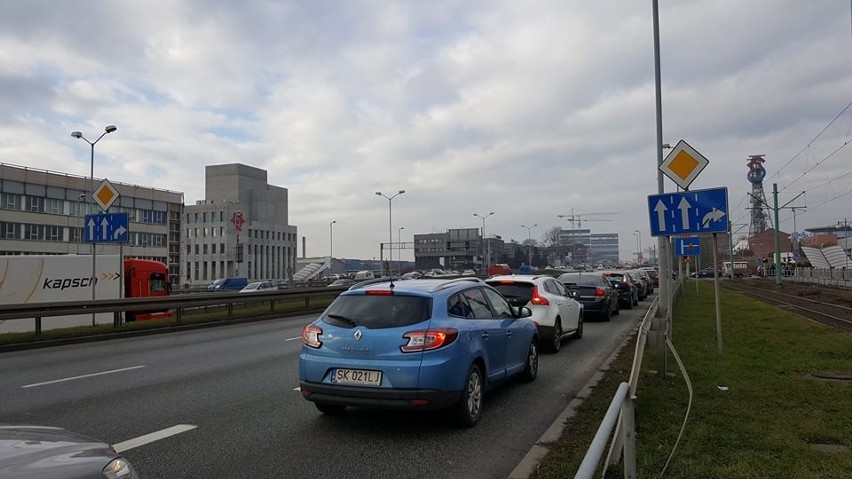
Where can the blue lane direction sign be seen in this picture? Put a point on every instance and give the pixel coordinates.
(106, 228)
(689, 212)
(688, 246)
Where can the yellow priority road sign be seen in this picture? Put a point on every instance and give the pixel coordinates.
(683, 164)
(105, 195)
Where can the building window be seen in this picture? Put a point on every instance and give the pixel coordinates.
(10, 202)
(35, 232)
(10, 230)
(188, 249)
(54, 206)
(204, 250)
(204, 217)
(35, 204)
(213, 248)
(54, 233)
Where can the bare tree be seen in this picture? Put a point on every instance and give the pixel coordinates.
(551, 237)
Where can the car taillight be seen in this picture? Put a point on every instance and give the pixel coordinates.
(379, 292)
(311, 335)
(429, 339)
(536, 299)
(599, 291)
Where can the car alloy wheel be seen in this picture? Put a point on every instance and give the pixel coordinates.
(556, 341)
(469, 408)
(531, 369)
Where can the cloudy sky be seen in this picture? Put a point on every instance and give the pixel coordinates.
(530, 109)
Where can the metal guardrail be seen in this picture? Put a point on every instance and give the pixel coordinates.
(37, 312)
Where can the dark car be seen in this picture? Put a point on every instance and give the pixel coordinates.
(54, 453)
(646, 278)
(705, 273)
(628, 292)
(640, 283)
(594, 291)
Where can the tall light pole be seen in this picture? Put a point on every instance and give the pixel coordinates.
(399, 245)
(331, 245)
(529, 242)
(485, 245)
(638, 246)
(390, 225)
(78, 135)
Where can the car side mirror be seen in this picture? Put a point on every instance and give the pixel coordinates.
(524, 312)
(575, 294)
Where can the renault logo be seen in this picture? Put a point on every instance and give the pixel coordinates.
(358, 335)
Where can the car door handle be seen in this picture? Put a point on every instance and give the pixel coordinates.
(484, 335)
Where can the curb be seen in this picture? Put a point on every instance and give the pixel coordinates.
(539, 450)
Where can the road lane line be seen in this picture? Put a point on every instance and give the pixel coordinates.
(154, 436)
(293, 339)
(81, 377)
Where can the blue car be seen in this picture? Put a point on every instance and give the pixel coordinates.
(425, 344)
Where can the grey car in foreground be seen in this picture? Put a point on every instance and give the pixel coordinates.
(55, 453)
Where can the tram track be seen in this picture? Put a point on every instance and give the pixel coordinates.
(835, 311)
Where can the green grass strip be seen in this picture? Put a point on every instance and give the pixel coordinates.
(767, 422)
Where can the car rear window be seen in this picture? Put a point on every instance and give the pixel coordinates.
(517, 293)
(378, 311)
(580, 279)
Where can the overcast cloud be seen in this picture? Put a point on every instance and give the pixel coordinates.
(528, 109)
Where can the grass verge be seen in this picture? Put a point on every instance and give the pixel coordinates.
(776, 419)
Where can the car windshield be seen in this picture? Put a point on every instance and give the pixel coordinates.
(378, 311)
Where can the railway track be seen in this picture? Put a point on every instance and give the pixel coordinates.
(835, 312)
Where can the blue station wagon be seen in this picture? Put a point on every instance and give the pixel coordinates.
(421, 344)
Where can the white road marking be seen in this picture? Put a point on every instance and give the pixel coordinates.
(81, 377)
(154, 436)
(293, 339)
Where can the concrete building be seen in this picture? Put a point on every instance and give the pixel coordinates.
(240, 228)
(42, 212)
(603, 249)
(456, 249)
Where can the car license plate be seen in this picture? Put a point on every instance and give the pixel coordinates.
(359, 377)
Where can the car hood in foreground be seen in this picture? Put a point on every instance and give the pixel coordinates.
(50, 453)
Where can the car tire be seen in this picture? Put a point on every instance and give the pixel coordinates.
(469, 408)
(330, 409)
(636, 300)
(530, 371)
(607, 316)
(579, 333)
(617, 308)
(555, 340)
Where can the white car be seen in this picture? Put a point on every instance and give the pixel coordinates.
(557, 313)
(258, 286)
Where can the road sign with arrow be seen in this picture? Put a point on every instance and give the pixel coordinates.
(689, 212)
(107, 228)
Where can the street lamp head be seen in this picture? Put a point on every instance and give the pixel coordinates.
(401, 192)
(334, 221)
(110, 128)
(379, 193)
(76, 134)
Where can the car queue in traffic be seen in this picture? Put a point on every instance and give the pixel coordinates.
(443, 343)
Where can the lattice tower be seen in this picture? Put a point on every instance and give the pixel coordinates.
(759, 207)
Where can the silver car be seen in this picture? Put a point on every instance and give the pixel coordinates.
(54, 453)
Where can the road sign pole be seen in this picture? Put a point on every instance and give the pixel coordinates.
(777, 236)
(716, 291)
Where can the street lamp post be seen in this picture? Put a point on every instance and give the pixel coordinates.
(399, 246)
(485, 249)
(638, 246)
(331, 245)
(78, 135)
(529, 242)
(390, 225)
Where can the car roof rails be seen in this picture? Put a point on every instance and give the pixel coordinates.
(368, 282)
(451, 282)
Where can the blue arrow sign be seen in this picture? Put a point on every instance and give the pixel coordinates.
(689, 212)
(688, 246)
(106, 228)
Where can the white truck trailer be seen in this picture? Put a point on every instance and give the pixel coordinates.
(51, 278)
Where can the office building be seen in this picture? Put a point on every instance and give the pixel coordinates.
(240, 228)
(43, 212)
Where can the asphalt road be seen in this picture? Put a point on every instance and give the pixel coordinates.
(224, 403)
